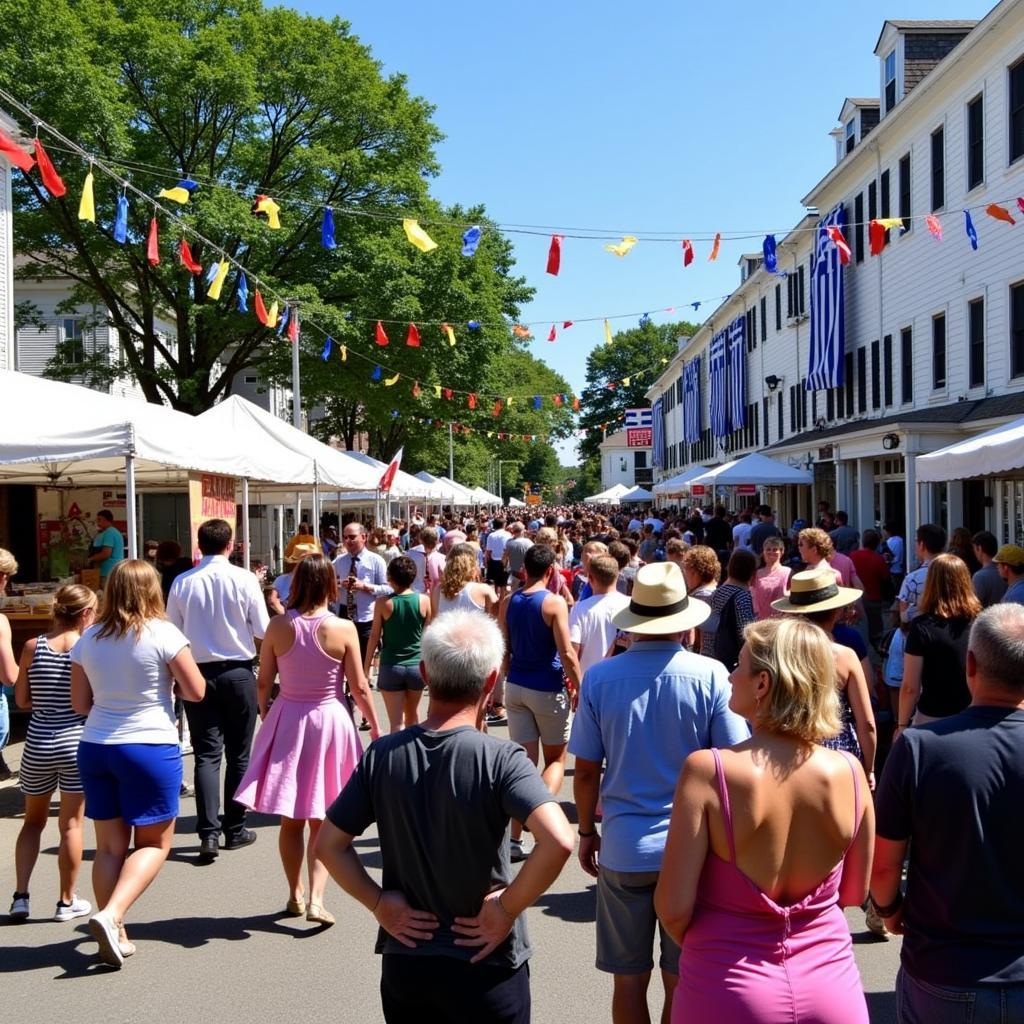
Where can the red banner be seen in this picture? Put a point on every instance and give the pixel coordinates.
(639, 437)
(746, 489)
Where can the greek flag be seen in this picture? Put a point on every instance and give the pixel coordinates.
(658, 435)
(717, 377)
(737, 374)
(691, 401)
(828, 336)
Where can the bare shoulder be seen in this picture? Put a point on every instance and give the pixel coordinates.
(700, 766)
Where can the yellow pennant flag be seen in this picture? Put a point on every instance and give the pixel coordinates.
(391, 381)
(621, 248)
(218, 282)
(490, 433)
(508, 404)
(626, 381)
(87, 204)
(714, 247)
(607, 333)
(447, 328)
(437, 390)
(417, 236)
(272, 314)
(891, 222)
(344, 353)
(264, 204)
(176, 194)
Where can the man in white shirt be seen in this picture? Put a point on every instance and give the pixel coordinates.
(741, 532)
(362, 578)
(220, 608)
(497, 574)
(590, 622)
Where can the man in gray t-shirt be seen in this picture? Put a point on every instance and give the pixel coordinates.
(442, 795)
(515, 552)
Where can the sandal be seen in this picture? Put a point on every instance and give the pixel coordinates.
(296, 907)
(318, 914)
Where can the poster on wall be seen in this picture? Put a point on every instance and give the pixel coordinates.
(209, 497)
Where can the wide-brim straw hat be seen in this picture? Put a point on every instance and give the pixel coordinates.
(301, 551)
(660, 604)
(815, 590)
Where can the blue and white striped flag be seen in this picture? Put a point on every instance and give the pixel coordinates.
(658, 435)
(828, 331)
(717, 380)
(737, 373)
(691, 401)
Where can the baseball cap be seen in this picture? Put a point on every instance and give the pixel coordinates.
(1010, 554)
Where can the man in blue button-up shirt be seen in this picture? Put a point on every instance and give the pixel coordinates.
(362, 578)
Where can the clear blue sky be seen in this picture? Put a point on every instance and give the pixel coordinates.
(657, 116)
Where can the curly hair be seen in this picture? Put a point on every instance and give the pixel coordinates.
(459, 569)
(703, 561)
(817, 539)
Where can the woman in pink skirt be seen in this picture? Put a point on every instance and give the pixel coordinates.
(772, 581)
(308, 746)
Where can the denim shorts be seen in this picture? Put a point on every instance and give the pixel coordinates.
(399, 678)
(919, 1002)
(137, 782)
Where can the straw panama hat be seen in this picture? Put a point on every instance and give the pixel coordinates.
(659, 603)
(301, 551)
(815, 590)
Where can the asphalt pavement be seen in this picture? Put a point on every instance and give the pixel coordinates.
(215, 946)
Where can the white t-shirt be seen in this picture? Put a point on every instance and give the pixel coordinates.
(496, 542)
(590, 626)
(131, 683)
(741, 536)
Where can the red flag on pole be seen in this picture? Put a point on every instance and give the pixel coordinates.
(51, 179)
(555, 255)
(389, 474)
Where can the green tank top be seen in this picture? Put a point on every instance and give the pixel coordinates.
(402, 632)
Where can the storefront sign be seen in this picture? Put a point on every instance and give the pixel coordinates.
(697, 490)
(210, 497)
(639, 437)
(746, 489)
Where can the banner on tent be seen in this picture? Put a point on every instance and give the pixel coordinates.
(209, 497)
(746, 489)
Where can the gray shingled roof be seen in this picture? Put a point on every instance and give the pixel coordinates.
(954, 412)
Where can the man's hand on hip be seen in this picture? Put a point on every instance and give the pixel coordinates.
(400, 921)
(488, 929)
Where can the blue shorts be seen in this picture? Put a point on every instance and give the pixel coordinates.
(399, 678)
(137, 782)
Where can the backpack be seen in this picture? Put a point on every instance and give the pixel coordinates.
(728, 641)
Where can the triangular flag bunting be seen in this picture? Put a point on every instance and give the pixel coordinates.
(607, 333)
(283, 322)
(969, 228)
(391, 381)
(771, 263)
(380, 335)
(242, 293)
(840, 243)
(537, 401)
(218, 281)
(87, 204)
(520, 331)
(51, 179)
(621, 248)
(327, 229)
(993, 210)
(552, 334)
(178, 194)
(470, 240)
(19, 157)
(272, 315)
(555, 255)
(876, 237)
(496, 411)
(448, 393)
(376, 373)
(437, 390)
(417, 236)
(264, 204)
(152, 241)
(566, 324)
(121, 220)
(326, 353)
(471, 401)
(186, 258)
(687, 252)
(714, 247)
(557, 399)
(412, 339)
(293, 327)
(261, 310)
(449, 333)
(575, 404)
(933, 225)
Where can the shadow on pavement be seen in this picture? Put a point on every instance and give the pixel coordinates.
(881, 1007)
(578, 907)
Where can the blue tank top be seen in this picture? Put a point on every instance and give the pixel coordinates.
(533, 660)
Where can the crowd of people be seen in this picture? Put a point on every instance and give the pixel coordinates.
(728, 690)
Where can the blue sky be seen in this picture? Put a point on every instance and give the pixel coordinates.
(662, 116)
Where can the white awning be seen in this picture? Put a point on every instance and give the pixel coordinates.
(753, 469)
(997, 451)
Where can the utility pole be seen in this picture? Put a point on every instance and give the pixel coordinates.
(451, 454)
(296, 383)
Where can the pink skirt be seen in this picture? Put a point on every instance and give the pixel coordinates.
(301, 759)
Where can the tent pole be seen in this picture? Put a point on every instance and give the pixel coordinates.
(141, 525)
(129, 504)
(245, 523)
(280, 538)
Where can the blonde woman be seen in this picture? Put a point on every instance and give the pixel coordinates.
(460, 585)
(124, 673)
(768, 840)
(702, 571)
(49, 759)
(772, 580)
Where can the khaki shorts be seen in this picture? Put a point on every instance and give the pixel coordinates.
(626, 923)
(537, 714)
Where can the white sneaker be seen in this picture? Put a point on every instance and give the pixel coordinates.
(69, 911)
(106, 932)
(19, 908)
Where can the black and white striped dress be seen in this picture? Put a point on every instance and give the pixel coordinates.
(49, 759)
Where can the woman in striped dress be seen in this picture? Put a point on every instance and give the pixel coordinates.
(51, 748)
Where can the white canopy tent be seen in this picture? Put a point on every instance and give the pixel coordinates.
(516, 503)
(998, 451)
(636, 494)
(453, 493)
(484, 497)
(679, 481)
(404, 486)
(753, 469)
(64, 434)
(609, 497)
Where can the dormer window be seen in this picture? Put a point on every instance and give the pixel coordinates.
(889, 80)
(851, 134)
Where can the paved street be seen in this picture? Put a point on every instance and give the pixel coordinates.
(214, 945)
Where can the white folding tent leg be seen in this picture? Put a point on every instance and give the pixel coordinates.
(129, 505)
(246, 554)
(280, 537)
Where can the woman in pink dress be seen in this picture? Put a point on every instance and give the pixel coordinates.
(768, 841)
(771, 582)
(307, 747)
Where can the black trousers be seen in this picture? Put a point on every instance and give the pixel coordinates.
(222, 724)
(442, 989)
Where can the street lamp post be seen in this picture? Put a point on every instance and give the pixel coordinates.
(501, 462)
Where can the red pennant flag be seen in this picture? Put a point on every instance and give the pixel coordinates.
(51, 179)
(555, 255)
(448, 393)
(471, 401)
(840, 243)
(566, 324)
(496, 411)
(934, 226)
(261, 309)
(552, 334)
(1020, 205)
(412, 339)
(527, 437)
(416, 390)
(293, 326)
(185, 255)
(557, 399)
(714, 247)
(999, 213)
(520, 331)
(382, 338)
(876, 237)
(389, 474)
(575, 404)
(153, 243)
(687, 252)
(17, 156)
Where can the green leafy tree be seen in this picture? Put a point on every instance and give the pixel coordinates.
(638, 354)
(587, 480)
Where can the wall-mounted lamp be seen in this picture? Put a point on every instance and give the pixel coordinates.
(772, 381)
(891, 441)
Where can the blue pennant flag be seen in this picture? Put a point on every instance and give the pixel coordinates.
(696, 306)
(470, 240)
(376, 372)
(969, 228)
(188, 185)
(121, 220)
(211, 271)
(771, 263)
(327, 230)
(350, 315)
(536, 401)
(326, 354)
(285, 313)
(645, 319)
(473, 325)
(242, 293)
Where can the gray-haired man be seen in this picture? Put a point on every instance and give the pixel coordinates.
(442, 793)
